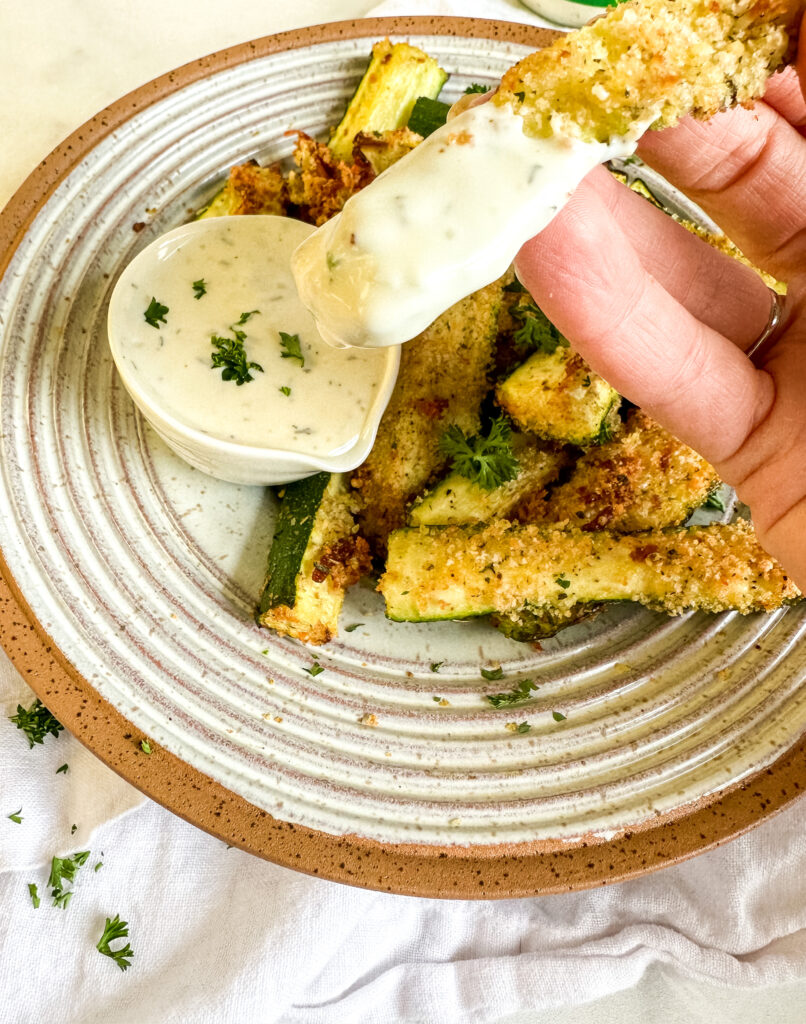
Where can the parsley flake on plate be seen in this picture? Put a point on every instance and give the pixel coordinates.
(558, 716)
(16, 816)
(199, 288)
(116, 929)
(37, 722)
(521, 692)
(32, 889)
(315, 669)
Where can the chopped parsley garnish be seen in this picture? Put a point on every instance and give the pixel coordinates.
(475, 87)
(291, 347)
(563, 582)
(63, 869)
(37, 722)
(73, 829)
(523, 727)
(116, 929)
(315, 669)
(558, 716)
(484, 460)
(536, 333)
(436, 700)
(586, 382)
(285, 390)
(62, 770)
(98, 866)
(199, 288)
(714, 501)
(354, 625)
(155, 313)
(145, 746)
(331, 260)
(16, 816)
(522, 691)
(32, 889)
(244, 317)
(521, 96)
(230, 356)
(493, 673)
(436, 665)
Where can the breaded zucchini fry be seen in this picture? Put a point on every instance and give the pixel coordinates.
(455, 499)
(250, 189)
(558, 397)
(454, 572)
(651, 60)
(442, 380)
(645, 479)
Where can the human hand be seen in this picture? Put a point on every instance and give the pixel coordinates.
(666, 319)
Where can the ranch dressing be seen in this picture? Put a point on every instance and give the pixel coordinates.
(240, 265)
(441, 223)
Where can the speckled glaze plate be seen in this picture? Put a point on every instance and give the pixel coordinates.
(129, 579)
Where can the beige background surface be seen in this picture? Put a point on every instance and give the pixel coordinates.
(60, 62)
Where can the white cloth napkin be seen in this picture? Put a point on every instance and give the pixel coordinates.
(220, 936)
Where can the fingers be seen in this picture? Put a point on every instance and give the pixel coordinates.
(715, 288)
(747, 169)
(785, 95)
(587, 277)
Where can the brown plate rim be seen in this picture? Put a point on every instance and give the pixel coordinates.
(476, 872)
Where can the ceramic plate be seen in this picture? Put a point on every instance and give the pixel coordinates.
(130, 579)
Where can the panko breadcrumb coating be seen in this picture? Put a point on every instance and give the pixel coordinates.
(442, 380)
(457, 572)
(644, 479)
(651, 61)
(323, 183)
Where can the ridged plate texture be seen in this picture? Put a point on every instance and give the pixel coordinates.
(145, 572)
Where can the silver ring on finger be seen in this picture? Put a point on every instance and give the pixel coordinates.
(768, 337)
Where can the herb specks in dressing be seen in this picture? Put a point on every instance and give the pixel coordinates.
(293, 391)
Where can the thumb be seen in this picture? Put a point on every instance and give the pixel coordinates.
(585, 275)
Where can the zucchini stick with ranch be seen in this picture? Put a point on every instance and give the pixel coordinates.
(454, 572)
(449, 218)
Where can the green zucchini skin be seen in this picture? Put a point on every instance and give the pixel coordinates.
(298, 508)
(454, 572)
(427, 115)
(558, 397)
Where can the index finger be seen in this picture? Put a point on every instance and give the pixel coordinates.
(747, 169)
